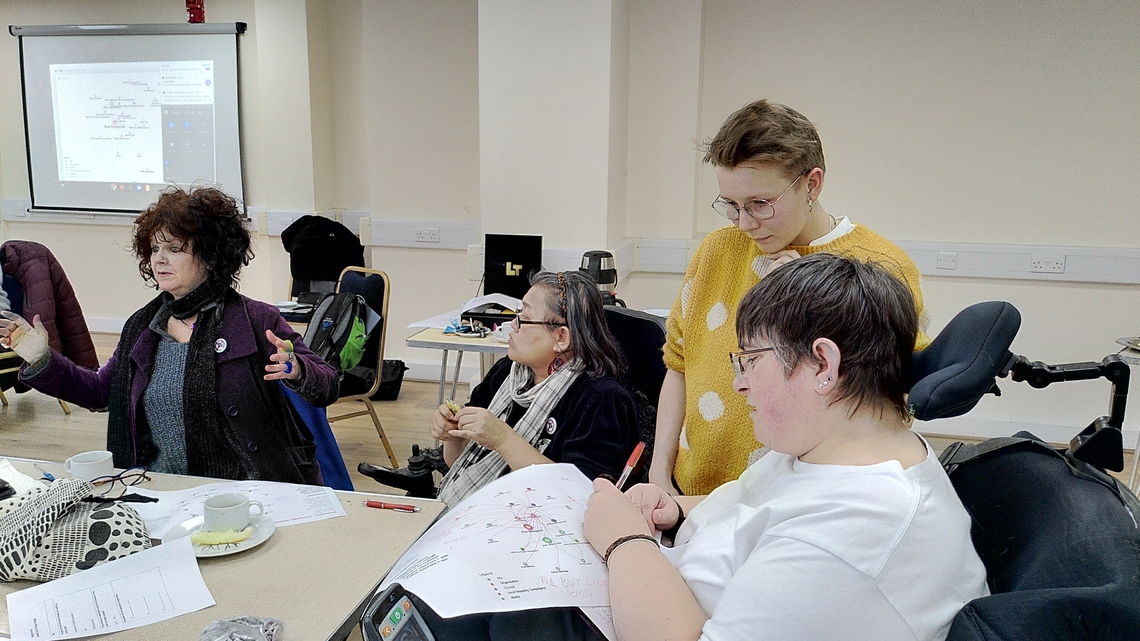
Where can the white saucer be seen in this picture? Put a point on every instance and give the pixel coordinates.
(262, 528)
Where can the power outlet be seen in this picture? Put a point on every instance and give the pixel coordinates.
(947, 260)
(427, 234)
(1047, 264)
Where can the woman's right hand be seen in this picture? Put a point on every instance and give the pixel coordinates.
(442, 422)
(660, 510)
(30, 342)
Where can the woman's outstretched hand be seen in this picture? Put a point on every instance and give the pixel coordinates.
(30, 342)
(284, 364)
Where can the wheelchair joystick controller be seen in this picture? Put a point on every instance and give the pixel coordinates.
(416, 478)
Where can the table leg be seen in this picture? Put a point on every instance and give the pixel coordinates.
(455, 379)
(443, 377)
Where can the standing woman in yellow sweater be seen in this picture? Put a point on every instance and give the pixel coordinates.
(769, 167)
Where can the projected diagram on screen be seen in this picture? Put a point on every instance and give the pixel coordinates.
(134, 124)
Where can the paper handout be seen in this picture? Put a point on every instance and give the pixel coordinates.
(516, 544)
(150, 586)
(285, 503)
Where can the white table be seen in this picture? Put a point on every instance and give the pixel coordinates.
(436, 339)
(315, 577)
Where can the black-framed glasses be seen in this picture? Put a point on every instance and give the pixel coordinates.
(742, 361)
(758, 209)
(518, 321)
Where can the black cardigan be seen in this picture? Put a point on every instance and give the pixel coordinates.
(594, 426)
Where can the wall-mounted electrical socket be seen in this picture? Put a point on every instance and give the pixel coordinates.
(947, 260)
(1047, 264)
(427, 234)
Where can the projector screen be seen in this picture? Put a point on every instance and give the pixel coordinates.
(113, 114)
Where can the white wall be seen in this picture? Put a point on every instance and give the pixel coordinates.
(998, 122)
(962, 121)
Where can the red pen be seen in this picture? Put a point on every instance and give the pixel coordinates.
(630, 464)
(398, 507)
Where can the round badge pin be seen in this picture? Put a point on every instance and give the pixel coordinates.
(220, 345)
(551, 425)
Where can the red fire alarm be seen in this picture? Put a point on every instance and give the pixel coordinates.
(195, 11)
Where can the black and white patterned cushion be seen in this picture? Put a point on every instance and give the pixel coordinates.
(46, 533)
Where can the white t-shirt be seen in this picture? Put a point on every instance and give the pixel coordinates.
(793, 550)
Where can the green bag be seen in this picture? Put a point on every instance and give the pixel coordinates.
(353, 349)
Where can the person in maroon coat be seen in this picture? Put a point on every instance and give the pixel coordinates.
(192, 386)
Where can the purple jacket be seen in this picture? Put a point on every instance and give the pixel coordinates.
(248, 403)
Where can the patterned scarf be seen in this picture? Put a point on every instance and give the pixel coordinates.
(478, 466)
(209, 450)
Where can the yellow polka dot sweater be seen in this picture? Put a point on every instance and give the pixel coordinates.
(717, 438)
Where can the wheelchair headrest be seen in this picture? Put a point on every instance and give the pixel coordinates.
(949, 377)
(640, 336)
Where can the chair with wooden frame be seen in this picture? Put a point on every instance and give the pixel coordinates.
(373, 286)
(9, 366)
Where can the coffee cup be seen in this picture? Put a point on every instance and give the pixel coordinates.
(229, 511)
(90, 465)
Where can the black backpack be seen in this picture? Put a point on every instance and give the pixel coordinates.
(336, 332)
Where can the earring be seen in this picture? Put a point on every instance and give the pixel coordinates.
(809, 205)
(555, 365)
(824, 384)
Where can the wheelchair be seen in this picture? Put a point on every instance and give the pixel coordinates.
(1059, 536)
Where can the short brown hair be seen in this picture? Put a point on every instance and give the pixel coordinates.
(210, 220)
(764, 131)
(868, 312)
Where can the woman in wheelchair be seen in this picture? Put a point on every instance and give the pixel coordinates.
(554, 399)
(848, 528)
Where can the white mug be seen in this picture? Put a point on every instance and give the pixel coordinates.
(230, 511)
(90, 465)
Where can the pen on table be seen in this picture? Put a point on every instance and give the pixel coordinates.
(634, 459)
(397, 507)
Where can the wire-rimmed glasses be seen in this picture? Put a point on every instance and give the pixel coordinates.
(129, 477)
(758, 209)
(742, 361)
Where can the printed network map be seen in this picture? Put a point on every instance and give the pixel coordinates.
(515, 544)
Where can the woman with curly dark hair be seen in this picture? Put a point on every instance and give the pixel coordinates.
(192, 387)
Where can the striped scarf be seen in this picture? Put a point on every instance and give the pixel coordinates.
(478, 466)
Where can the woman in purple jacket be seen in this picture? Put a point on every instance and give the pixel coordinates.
(192, 386)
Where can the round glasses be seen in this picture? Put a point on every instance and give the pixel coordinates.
(758, 209)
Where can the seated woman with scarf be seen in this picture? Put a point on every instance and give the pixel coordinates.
(554, 399)
(192, 386)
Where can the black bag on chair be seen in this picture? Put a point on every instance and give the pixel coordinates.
(338, 321)
(1059, 539)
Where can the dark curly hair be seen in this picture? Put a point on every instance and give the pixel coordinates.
(212, 222)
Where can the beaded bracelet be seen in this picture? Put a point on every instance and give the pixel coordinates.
(626, 539)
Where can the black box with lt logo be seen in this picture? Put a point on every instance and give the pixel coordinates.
(508, 262)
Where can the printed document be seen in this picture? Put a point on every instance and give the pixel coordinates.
(516, 544)
(150, 586)
(285, 503)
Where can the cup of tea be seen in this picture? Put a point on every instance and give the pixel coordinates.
(90, 465)
(229, 511)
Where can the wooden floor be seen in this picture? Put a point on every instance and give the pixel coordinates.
(34, 426)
